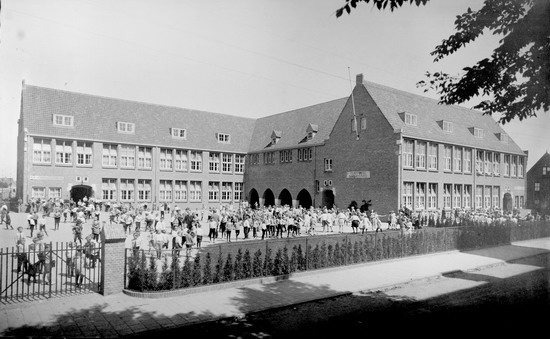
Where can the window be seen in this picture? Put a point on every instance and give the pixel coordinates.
(467, 160)
(227, 163)
(432, 196)
(125, 127)
(544, 170)
(214, 162)
(457, 158)
(503, 137)
(84, 154)
(479, 196)
(496, 164)
(328, 165)
(165, 159)
(126, 189)
(479, 162)
(496, 197)
(507, 165)
(178, 133)
(195, 191)
(487, 197)
(310, 135)
(420, 196)
(165, 190)
(239, 163)
(363, 123)
(447, 195)
(42, 151)
(223, 137)
(407, 194)
(467, 196)
(432, 156)
(521, 202)
(254, 159)
(488, 163)
(447, 156)
(38, 192)
(447, 126)
(196, 161)
(408, 153)
(145, 158)
(108, 189)
(478, 132)
(420, 154)
(63, 120)
(63, 152)
(269, 157)
(238, 192)
(304, 154)
(227, 191)
(109, 155)
(537, 187)
(354, 125)
(285, 156)
(513, 166)
(520, 167)
(144, 190)
(516, 201)
(54, 192)
(181, 160)
(410, 119)
(127, 156)
(180, 190)
(457, 196)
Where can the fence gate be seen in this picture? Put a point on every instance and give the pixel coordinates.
(49, 270)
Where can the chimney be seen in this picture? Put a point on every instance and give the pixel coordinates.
(359, 79)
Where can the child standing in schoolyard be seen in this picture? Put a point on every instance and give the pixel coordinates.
(7, 219)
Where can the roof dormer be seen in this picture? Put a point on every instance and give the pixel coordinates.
(408, 118)
(311, 131)
(503, 137)
(275, 136)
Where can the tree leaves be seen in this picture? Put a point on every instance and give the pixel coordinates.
(379, 4)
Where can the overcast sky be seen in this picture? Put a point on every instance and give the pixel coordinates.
(244, 57)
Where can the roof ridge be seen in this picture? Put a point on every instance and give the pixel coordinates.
(297, 109)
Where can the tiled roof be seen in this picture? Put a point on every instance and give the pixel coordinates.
(293, 125)
(392, 102)
(543, 161)
(95, 118)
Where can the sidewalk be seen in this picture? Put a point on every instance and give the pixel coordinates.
(94, 315)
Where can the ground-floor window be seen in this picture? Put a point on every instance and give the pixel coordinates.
(144, 190)
(432, 196)
(487, 197)
(126, 189)
(54, 192)
(238, 192)
(479, 196)
(420, 195)
(165, 190)
(407, 194)
(227, 191)
(213, 191)
(180, 190)
(38, 192)
(108, 189)
(467, 196)
(195, 191)
(496, 197)
(457, 196)
(447, 195)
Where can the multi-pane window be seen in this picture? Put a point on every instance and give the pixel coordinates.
(447, 126)
(496, 197)
(227, 162)
(420, 154)
(108, 189)
(126, 189)
(214, 162)
(223, 137)
(166, 159)
(165, 190)
(180, 190)
(447, 157)
(354, 125)
(467, 196)
(125, 127)
(487, 197)
(196, 161)
(420, 196)
(145, 158)
(304, 154)
(410, 119)
(195, 191)
(363, 123)
(408, 146)
(516, 201)
(63, 152)
(109, 155)
(42, 151)
(467, 160)
(63, 120)
(457, 159)
(447, 195)
(513, 166)
(213, 191)
(521, 202)
(285, 156)
(54, 192)
(520, 167)
(432, 196)
(457, 196)
(84, 154)
(407, 194)
(478, 132)
(479, 196)
(506, 165)
(38, 192)
(479, 162)
(127, 156)
(238, 192)
(227, 191)
(488, 163)
(239, 163)
(144, 190)
(537, 187)
(269, 157)
(178, 133)
(496, 164)
(181, 160)
(328, 165)
(432, 156)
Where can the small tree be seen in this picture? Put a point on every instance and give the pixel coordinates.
(356, 253)
(238, 265)
(257, 270)
(323, 255)
(301, 259)
(338, 260)
(278, 263)
(293, 266)
(207, 270)
(186, 273)
(247, 265)
(176, 269)
(286, 261)
(197, 271)
(315, 257)
(268, 263)
(228, 269)
(134, 282)
(330, 255)
(218, 273)
(150, 283)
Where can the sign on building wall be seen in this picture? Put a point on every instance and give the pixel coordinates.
(44, 177)
(358, 175)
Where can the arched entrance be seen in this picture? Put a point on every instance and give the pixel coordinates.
(328, 198)
(507, 202)
(78, 192)
(285, 198)
(254, 198)
(269, 198)
(304, 199)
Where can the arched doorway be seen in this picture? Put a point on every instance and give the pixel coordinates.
(269, 198)
(254, 198)
(328, 198)
(78, 192)
(285, 198)
(507, 203)
(304, 199)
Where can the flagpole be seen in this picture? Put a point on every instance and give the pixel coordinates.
(353, 105)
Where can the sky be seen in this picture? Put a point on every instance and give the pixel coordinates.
(249, 58)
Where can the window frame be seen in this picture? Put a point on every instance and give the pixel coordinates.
(63, 120)
(176, 133)
(125, 127)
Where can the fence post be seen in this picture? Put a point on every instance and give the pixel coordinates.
(346, 250)
(307, 257)
(1, 269)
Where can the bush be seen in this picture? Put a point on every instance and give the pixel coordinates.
(197, 274)
(338, 260)
(278, 263)
(150, 275)
(186, 274)
(238, 265)
(356, 255)
(330, 256)
(286, 261)
(247, 265)
(293, 265)
(268, 263)
(218, 273)
(207, 277)
(134, 279)
(257, 264)
(315, 257)
(176, 269)
(301, 259)
(228, 269)
(323, 256)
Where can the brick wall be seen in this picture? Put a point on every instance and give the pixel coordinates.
(113, 260)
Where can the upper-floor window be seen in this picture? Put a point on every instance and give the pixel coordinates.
(239, 163)
(503, 137)
(304, 154)
(354, 125)
(223, 137)
(227, 162)
(110, 153)
(83, 153)
(254, 159)
(488, 163)
(506, 165)
(447, 126)
(328, 165)
(127, 156)
(63, 120)
(478, 132)
(269, 157)
(514, 166)
(432, 156)
(537, 186)
(410, 119)
(408, 146)
(145, 158)
(42, 151)
(496, 164)
(545, 170)
(285, 156)
(196, 161)
(363, 123)
(126, 127)
(479, 162)
(214, 162)
(457, 159)
(166, 159)
(63, 152)
(447, 156)
(420, 154)
(467, 165)
(520, 167)
(179, 133)
(181, 160)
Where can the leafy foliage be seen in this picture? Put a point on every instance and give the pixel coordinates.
(380, 4)
(197, 274)
(228, 269)
(247, 265)
(257, 270)
(207, 270)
